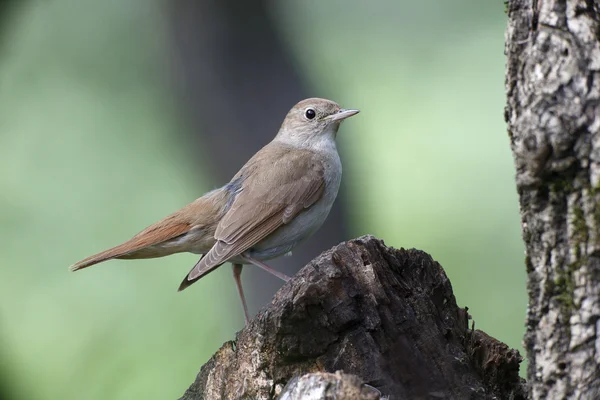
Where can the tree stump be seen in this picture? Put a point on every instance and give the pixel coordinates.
(387, 318)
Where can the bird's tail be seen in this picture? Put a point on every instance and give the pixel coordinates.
(115, 252)
(167, 236)
(146, 244)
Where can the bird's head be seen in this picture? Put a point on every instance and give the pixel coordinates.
(312, 121)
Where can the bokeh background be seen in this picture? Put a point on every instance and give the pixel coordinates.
(115, 113)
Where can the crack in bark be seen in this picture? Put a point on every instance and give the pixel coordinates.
(391, 323)
(553, 116)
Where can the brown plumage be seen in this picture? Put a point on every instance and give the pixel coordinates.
(265, 201)
(201, 216)
(278, 198)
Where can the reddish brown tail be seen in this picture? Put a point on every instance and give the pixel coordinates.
(140, 246)
(158, 240)
(106, 255)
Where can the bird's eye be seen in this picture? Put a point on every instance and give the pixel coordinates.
(310, 113)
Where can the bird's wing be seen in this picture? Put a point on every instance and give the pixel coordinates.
(277, 186)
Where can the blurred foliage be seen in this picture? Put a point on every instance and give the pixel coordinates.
(89, 152)
(87, 157)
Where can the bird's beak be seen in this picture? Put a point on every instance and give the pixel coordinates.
(341, 115)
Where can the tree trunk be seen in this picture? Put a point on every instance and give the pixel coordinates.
(553, 115)
(386, 317)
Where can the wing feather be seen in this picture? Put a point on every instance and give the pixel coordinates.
(276, 188)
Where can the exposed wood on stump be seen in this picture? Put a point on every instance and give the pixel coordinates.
(327, 386)
(553, 115)
(388, 317)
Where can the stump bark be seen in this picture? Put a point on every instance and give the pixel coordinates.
(387, 318)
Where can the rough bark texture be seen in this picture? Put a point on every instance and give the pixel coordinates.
(553, 115)
(386, 317)
(323, 385)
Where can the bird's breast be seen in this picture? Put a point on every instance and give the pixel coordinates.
(307, 222)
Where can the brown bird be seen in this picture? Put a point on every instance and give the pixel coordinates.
(280, 197)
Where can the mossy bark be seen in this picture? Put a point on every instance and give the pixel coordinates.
(553, 115)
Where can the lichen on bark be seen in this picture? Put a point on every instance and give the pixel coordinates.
(553, 116)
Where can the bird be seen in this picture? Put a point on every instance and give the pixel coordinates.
(279, 198)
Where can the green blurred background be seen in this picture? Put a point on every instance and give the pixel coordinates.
(95, 145)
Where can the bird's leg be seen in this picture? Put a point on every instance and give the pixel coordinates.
(237, 271)
(264, 266)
